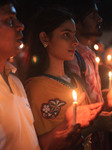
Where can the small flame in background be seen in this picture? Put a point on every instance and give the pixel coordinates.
(34, 59)
(98, 59)
(109, 57)
(110, 74)
(96, 47)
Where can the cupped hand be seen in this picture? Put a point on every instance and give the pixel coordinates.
(69, 138)
(84, 114)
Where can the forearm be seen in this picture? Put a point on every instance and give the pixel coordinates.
(68, 138)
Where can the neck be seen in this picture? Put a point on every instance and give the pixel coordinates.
(56, 67)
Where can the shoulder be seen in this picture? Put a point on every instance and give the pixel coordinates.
(15, 78)
(36, 84)
(35, 81)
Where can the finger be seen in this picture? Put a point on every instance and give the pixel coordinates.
(105, 113)
(96, 111)
(109, 95)
(93, 115)
(95, 105)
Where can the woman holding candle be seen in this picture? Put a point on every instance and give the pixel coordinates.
(49, 87)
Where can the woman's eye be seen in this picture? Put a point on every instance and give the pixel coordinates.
(67, 35)
(10, 21)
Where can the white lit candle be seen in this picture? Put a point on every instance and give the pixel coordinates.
(110, 79)
(74, 106)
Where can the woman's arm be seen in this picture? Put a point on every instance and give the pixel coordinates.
(63, 139)
(59, 135)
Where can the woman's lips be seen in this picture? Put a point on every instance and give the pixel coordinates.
(71, 51)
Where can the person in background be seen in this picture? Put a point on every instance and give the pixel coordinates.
(16, 120)
(49, 87)
(88, 23)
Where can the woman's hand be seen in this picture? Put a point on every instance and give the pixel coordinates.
(84, 114)
(69, 138)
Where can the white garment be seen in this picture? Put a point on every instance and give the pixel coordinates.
(16, 120)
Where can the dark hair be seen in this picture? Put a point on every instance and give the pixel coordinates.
(4, 2)
(81, 11)
(45, 21)
(79, 8)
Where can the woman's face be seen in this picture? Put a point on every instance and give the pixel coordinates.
(63, 41)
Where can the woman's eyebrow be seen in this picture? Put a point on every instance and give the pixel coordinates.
(69, 30)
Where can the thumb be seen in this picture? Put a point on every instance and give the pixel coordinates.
(109, 95)
(81, 98)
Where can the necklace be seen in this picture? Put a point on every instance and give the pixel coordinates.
(65, 78)
(64, 82)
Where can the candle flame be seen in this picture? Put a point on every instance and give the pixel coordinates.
(96, 47)
(109, 57)
(110, 74)
(74, 95)
(97, 59)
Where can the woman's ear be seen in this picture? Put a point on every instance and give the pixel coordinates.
(44, 39)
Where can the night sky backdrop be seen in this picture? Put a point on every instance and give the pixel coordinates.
(27, 7)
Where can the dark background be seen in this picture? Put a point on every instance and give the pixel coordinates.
(105, 10)
(26, 8)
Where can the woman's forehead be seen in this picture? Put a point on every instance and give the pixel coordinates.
(69, 24)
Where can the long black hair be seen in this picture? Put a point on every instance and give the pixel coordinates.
(46, 21)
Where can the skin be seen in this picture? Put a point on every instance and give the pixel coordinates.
(60, 47)
(90, 28)
(87, 32)
(10, 34)
(58, 51)
(63, 42)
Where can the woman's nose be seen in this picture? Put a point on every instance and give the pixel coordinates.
(19, 26)
(75, 42)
